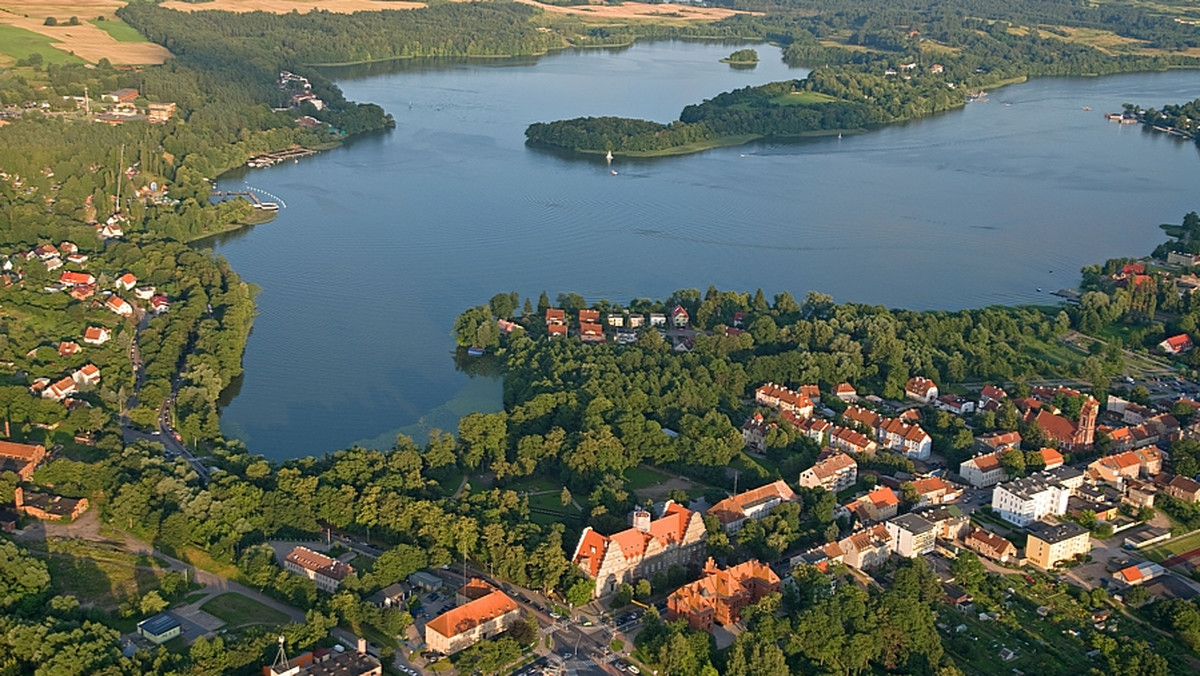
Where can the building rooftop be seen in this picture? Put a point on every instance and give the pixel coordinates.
(1054, 533)
(734, 508)
(913, 523)
(470, 615)
(159, 624)
(319, 563)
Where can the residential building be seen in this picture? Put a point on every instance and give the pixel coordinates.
(1176, 344)
(720, 595)
(987, 543)
(555, 316)
(322, 662)
(990, 394)
(911, 535)
(846, 393)
(811, 391)
(160, 112)
(866, 549)
(392, 596)
(835, 472)
(48, 507)
(60, 390)
(658, 319)
(589, 316)
(636, 321)
(850, 441)
(160, 304)
(66, 348)
(119, 306)
(1183, 488)
(1128, 465)
(676, 538)
(1023, 501)
(22, 459)
(126, 95)
(426, 582)
(591, 333)
(1051, 458)
(126, 281)
(327, 573)
(616, 320)
(910, 440)
(982, 470)
(754, 433)
(921, 389)
(783, 399)
(77, 279)
(935, 491)
(880, 504)
(866, 418)
(1049, 544)
(160, 628)
(997, 441)
(97, 335)
(949, 521)
(1183, 259)
(733, 512)
(955, 404)
(88, 376)
(679, 317)
(553, 330)
(817, 429)
(490, 612)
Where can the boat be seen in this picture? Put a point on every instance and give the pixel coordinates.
(475, 351)
(613, 172)
(839, 136)
(267, 206)
(1087, 107)
(609, 157)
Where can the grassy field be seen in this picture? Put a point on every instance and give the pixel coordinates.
(19, 43)
(1172, 547)
(802, 99)
(643, 477)
(119, 30)
(99, 574)
(237, 610)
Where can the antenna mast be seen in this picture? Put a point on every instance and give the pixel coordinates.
(281, 659)
(120, 170)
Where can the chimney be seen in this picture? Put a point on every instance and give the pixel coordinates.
(362, 646)
(641, 520)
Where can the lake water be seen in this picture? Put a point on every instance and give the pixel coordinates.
(384, 241)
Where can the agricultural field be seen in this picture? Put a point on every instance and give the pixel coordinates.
(639, 10)
(285, 6)
(86, 41)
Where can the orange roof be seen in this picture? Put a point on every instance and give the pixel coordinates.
(810, 391)
(1051, 457)
(472, 614)
(919, 385)
(589, 316)
(319, 563)
(931, 485)
(883, 497)
(861, 416)
(832, 464)
(90, 370)
(556, 329)
(844, 388)
(1056, 426)
(9, 449)
(554, 314)
(700, 595)
(733, 508)
(588, 329)
(631, 541)
(986, 463)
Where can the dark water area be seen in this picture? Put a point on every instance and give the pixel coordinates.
(384, 241)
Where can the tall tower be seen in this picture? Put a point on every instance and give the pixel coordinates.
(1085, 434)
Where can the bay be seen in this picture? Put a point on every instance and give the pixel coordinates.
(385, 240)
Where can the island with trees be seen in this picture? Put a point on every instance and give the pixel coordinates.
(742, 57)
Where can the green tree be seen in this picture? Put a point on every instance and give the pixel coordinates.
(580, 592)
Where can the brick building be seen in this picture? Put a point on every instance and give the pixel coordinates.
(720, 595)
(650, 546)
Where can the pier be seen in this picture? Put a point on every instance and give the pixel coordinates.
(269, 159)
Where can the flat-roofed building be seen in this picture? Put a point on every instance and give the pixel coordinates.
(1049, 545)
(911, 535)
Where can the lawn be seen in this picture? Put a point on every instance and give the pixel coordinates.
(535, 485)
(99, 574)
(20, 43)
(237, 610)
(119, 30)
(1172, 547)
(642, 477)
(803, 99)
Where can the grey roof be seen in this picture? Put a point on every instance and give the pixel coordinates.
(1063, 473)
(1029, 486)
(1052, 533)
(159, 624)
(913, 523)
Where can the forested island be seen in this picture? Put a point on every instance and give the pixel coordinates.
(93, 280)
(742, 57)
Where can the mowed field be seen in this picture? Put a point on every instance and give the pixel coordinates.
(86, 41)
(285, 6)
(628, 10)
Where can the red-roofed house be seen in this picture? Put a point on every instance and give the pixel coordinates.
(982, 470)
(720, 595)
(921, 389)
(126, 281)
(22, 459)
(878, 505)
(555, 316)
(1127, 465)
(910, 440)
(935, 491)
(88, 375)
(848, 440)
(488, 612)
(76, 279)
(868, 548)
(119, 305)
(1052, 458)
(589, 316)
(997, 441)
(676, 538)
(811, 391)
(60, 390)
(67, 348)
(990, 545)
(679, 317)
(1183, 488)
(733, 512)
(835, 472)
(96, 335)
(845, 392)
(1176, 344)
(991, 393)
(327, 573)
(556, 330)
(160, 304)
(783, 399)
(591, 333)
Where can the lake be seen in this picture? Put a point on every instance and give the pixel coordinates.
(384, 241)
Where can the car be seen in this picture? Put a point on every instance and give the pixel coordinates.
(634, 670)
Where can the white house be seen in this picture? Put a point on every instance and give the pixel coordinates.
(1024, 501)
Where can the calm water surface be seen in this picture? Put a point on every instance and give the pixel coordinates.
(384, 241)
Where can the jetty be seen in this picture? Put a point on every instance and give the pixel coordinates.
(248, 195)
(269, 159)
